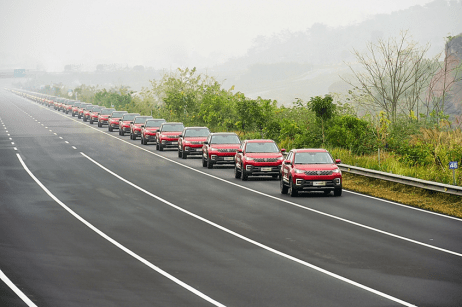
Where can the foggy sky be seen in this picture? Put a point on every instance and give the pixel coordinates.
(161, 34)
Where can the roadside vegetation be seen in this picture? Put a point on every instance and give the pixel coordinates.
(404, 98)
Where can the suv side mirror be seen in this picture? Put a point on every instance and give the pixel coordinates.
(158, 130)
(338, 161)
(286, 161)
(142, 126)
(239, 150)
(180, 135)
(283, 150)
(205, 142)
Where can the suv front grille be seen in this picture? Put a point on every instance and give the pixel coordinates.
(265, 160)
(318, 173)
(227, 150)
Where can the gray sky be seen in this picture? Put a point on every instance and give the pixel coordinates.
(161, 34)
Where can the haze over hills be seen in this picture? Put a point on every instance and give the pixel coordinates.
(301, 64)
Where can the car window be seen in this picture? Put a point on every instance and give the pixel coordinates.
(261, 147)
(172, 127)
(313, 158)
(140, 120)
(118, 114)
(106, 111)
(154, 123)
(197, 132)
(129, 117)
(225, 139)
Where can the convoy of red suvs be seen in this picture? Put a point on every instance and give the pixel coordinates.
(299, 170)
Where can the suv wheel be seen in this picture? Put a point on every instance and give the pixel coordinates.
(204, 162)
(283, 187)
(292, 191)
(179, 153)
(338, 192)
(109, 128)
(209, 163)
(237, 173)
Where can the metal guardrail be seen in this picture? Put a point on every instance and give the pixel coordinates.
(424, 184)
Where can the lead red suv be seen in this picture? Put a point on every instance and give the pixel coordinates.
(167, 135)
(310, 170)
(191, 141)
(220, 148)
(258, 158)
(94, 114)
(148, 130)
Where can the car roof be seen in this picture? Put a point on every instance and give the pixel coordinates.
(196, 128)
(260, 141)
(223, 133)
(309, 150)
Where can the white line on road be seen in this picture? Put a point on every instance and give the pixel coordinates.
(16, 290)
(304, 263)
(128, 251)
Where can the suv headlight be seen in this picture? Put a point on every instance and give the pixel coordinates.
(249, 158)
(213, 149)
(337, 170)
(281, 158)
(299, 171)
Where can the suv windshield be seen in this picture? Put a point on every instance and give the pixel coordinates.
(106, 111)
(225, 139)
(129, 117)
(172, 127)
(196, 132)
(261, 147)
(154, 123)
(313, 158)
(140, 120)
(96, 109)
(118, 114)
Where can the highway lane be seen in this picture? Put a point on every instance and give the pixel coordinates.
(380, 262)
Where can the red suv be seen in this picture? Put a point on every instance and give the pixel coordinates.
(87, 112)
(258, 158)
(124, 122)
(310, 170)
(104, 115)
(148, 130)
(167, 135)
(191, 141)
(82, 108)
(135, 126)
(220, 148)
(94, 114)
(113, 121)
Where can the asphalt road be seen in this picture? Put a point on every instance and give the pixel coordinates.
(90, 218)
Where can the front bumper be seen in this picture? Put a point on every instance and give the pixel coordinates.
(169, 143)
(222, 158)
(262, 170)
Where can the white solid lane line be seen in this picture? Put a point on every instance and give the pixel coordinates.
(16, 290)
(304, 263)
(131, 253)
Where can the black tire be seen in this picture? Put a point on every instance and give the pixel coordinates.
(84, 119)
(209, 164)
(204, 162)
(109, 128)
(73, 114)
(291, 191)
(283, 187)
(184, 155)
(99, 125)
(157, 146)
(91, 122)
(237, 173)
(134, 137)
(338, 192)
(180, 154)
(244, 175)
(145, 142)
(121, 131)
(161, 147)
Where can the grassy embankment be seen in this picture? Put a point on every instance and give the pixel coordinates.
(416, 197)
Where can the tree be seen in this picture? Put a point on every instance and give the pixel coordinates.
(324, 109)
(394, 74)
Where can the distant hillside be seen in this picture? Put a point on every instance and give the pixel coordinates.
(307, 63)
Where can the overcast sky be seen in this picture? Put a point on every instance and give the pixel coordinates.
(161, 34)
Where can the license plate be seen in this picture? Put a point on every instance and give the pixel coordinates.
(319, 183)
(228, 158)
(174, 143)
(266, 169)
(198, 149)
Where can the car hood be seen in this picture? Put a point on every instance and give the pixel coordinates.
(257, 155)
(316, 167)
(195, 139)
